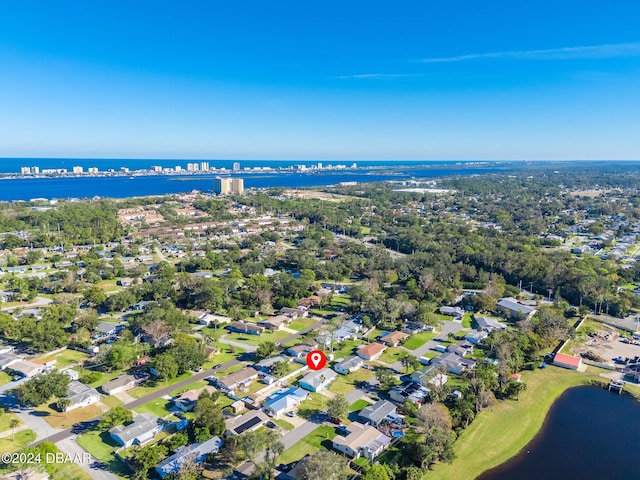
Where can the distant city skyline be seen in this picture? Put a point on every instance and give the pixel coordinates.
(328, 82)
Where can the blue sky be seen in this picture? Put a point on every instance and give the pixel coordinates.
(320, 80)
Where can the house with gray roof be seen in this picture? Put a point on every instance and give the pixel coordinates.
(196, 451)
(513, 308)
(81, 395)
(142, 430)
(348, 365)
(453, 363)
(376, 413)
(318, 380)
(489, 324)
(119, 384)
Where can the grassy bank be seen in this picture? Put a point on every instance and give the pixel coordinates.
(501, 432)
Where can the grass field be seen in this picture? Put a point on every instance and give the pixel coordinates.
(17, 442)
(100, 445)
(484, 444)
(391, 355)
(64, 358)
(346, 383)
(418, 340)
(149, 388)
(302, 323)
(191, 386)
(5, 378)
(5, 421)
(284, 424)
(257, 339)
(358, 405)
(320, 438)
(67, 419)
(158, 407)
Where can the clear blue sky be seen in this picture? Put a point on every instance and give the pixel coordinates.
(324, 79)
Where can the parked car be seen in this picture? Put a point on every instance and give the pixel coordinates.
(291, 413)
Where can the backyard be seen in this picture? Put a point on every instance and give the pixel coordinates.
(418, 340)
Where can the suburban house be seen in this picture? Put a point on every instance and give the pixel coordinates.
(452, 311)
(361, 441)
(105, 330)
(249, 422)
(376, 413)
(119, 384)
(429, 375)
(476, 337)
(489, 324)
(196, 451)
(318, 380)
(463, 349)
(266, 364)
(277, 322)
(81, 395)
(513, 308)
(239, 379)
(293, 313)
(8, 359)
(245, 327)
(393, 339)
(300, 350)
(26, 368)
(371, 351)
(209, 318)
(409, 392)
(413, 327)
(142, 430)
(283, 402)
(142, 304)
(567, 361)
(453, 363)
(187, 401)
(349, 365)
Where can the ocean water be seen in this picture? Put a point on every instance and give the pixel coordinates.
(127, 186)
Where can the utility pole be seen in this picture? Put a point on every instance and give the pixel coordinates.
(550, 290)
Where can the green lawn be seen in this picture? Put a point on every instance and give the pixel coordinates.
(5, 421)
(191, 386)
(13, 443)
(257, 339)
(100, 445)
(224, 354)
(346, 348)
(466, 320)
(391, 355)
(150, 387)
(5, 378)
(346, 383)
(418, 340)
(302, 323)
(111, 401)
(284, 424)
(158, 407)
(358, 405)
(375, 333)
(64, 358)
(320, 438)
(484, 445)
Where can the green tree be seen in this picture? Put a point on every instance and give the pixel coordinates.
(338, 407)
(324, 465)
(165, 366)
(144, 458)
(279, 369)
(41, 388)
(265, 349)
(378, 472)
(118, 415)
(385, 378)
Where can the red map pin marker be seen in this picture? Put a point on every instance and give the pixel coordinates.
(316, 360)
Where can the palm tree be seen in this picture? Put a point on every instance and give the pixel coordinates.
(13, 423)
(322, 380)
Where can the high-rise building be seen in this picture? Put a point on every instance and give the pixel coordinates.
(236, 166)
(204, 166)
(178, 168)
(77, 169)
(222, 186)
(237, 185)
(25, 170)
(124, 169)
(92, 169)
(157, 169)
(192, 167)
(35, 170)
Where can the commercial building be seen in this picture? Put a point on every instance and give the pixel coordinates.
(227, 185)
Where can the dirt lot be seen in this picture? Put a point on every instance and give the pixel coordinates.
(606, 344)
(311, 194)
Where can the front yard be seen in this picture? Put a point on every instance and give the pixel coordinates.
(100, 445)
(418, 340)
(255, 340)
(319, 439)
(67, 419)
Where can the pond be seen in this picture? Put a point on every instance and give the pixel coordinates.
(588, 434)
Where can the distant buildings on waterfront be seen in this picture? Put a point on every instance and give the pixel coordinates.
(227, 185)
(191, 168)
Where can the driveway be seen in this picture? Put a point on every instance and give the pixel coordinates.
(30, 418)
(91, 465)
